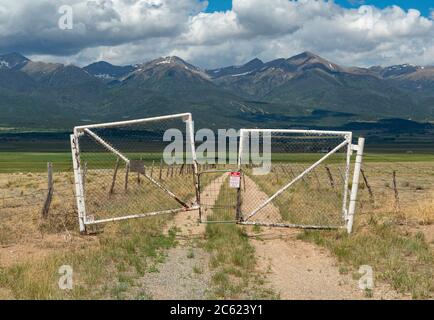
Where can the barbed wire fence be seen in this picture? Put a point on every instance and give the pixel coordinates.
(35, 204)
(397, 188)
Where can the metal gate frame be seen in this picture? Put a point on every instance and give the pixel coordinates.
(348, 211)
(84, 219)
(348, 207)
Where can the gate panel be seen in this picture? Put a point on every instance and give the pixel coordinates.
(122, 170)
(307, 183)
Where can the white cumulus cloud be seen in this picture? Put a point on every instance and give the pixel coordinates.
(132, 31)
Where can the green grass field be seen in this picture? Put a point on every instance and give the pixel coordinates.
(11, 162)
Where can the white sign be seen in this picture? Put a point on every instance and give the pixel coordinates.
(234, 181)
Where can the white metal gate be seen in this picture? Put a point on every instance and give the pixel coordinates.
(120, 173)
(307, 183)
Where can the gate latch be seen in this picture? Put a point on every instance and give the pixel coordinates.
(354, 147)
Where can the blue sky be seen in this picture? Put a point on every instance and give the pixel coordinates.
(219, 5)
(423, 6)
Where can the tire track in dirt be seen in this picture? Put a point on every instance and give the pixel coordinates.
(297, 269)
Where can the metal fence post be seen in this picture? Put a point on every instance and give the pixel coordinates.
(238, 216)
(79, 191)
(355, 185)
(192, 147)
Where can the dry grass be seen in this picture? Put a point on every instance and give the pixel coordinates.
(21, 206)
(422, 212)
(106, 265)
(120, 255)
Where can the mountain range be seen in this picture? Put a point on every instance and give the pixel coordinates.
(305, 90)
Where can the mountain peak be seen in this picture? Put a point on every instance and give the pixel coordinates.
(166, 69)
(309, 60)
(13, 60)
(306, 57)
(307, 54)
(254, 63)
(169, 60)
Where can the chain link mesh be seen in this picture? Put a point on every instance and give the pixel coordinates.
(315, 198)
(134, 178)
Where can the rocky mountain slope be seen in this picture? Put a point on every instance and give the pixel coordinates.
(303, 90)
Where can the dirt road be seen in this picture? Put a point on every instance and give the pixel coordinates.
(296, 269)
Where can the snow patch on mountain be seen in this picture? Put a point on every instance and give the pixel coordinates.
(241, 74)
(4, 63)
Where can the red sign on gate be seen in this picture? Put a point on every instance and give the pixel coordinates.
(235, 180)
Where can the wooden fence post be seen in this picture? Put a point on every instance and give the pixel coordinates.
(329, 174)
(127, 168)
(138, 173)
(365, 179)
(161, 168)
(395, 188)
(112, 188)
(47, 203)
